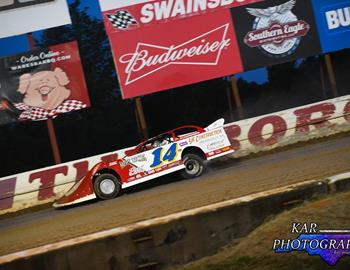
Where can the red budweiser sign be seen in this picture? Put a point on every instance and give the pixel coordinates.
(277, 33)
(166, 56)
(204, 49)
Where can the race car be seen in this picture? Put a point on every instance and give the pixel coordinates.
(185, 148)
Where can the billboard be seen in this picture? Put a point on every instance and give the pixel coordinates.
(333, 22)
(16, 16)
(253, 34)
(121, 15)
(42, 84)
(165, 56)
(275, 31)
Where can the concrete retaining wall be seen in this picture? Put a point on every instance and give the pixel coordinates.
(248, 136)
(295, 125)
(175, 239)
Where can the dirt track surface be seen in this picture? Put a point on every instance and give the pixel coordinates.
(167, 195)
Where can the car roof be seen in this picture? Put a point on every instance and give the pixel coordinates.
(132, 151)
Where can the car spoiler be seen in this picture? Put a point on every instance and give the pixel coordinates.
(218, 123)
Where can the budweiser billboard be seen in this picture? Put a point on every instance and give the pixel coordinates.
(42, 84)
(16, 16)
(275, 31)
(121, 15)
(165, 56)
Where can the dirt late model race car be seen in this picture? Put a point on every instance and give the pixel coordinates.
(184, 148)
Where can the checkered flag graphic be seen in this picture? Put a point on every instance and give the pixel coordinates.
(121, 19)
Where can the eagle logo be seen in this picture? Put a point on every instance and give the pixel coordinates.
(281, 13)
(276, 30)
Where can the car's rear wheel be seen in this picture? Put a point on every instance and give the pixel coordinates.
(106, 186)
(194, 166)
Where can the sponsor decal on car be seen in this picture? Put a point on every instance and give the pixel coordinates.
(183, 143)
(113, 163)
(135, 170)
(208, 135)
(159, 157)
(138, 158)
(123, 163)
(216, 144)
(131, 160)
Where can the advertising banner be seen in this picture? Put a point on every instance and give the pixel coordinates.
(275, 31)
(176, 53)
(42, 84)
(23, 16)
(333, 23)
(122, 15)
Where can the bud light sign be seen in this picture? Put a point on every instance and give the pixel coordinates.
(333, 22)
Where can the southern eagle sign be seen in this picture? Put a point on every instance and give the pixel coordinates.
(275, 31)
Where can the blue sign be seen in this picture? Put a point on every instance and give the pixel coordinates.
(333, 23)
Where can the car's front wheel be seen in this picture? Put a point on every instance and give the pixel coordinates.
(107, 186)
(194, 166)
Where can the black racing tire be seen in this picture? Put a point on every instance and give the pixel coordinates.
(194, 166)
(107, 186)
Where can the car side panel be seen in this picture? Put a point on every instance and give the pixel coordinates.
(212, 143)
(149, 163)
(167, 158)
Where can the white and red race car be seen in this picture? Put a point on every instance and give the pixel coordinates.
(184, 148)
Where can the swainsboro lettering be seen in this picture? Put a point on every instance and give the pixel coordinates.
(160, 10)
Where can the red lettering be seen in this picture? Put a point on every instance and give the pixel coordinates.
(82, 169)
(233, 132)
(7, 191)
(347, 112)
(255, 134)
(110, 157)
(306, 117)
(47, 180)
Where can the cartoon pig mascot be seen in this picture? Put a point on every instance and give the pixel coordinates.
(45, 95)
